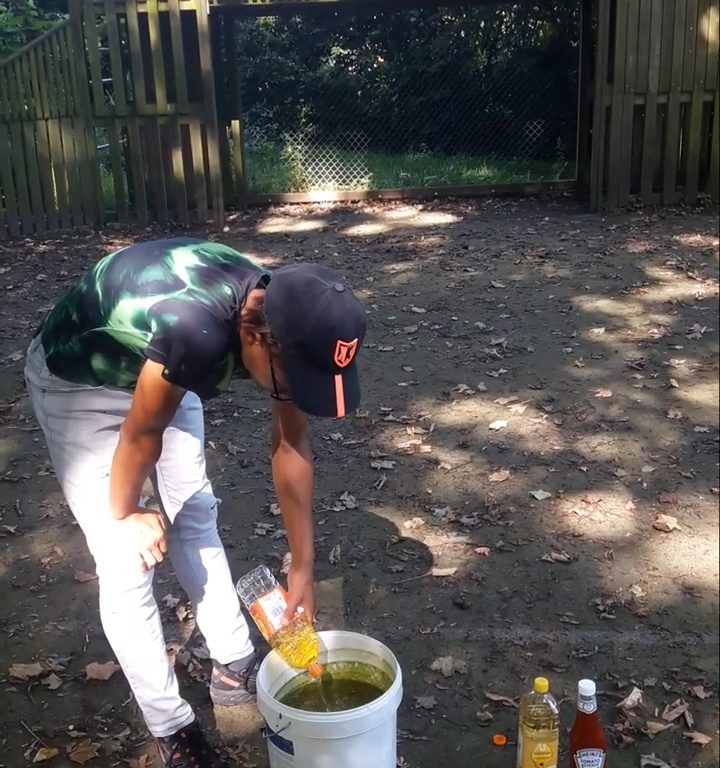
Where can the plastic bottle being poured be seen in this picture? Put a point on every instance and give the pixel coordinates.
(295, 641)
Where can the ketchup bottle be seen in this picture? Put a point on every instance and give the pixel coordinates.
(588, 746)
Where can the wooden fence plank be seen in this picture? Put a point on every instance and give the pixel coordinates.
(628, 114)
(161, 101)
(672, 129)
(703, 33)
(33, 176)
(668, 17)
(694, 147)
(631, 44)
(17, 158)
(691, 30)
(67, 131)
(48, 74)
(4, 95)
(156, 169)
(178, 55)
(597, 155)
(92, 43)
(238, 156)
(116, 166)
(199, 177)
(136, 59)
(59, 173)
(40, 78)
(618, 100)
(135, 149)
(178, 171)
(644, 45)
(649, 153)
(117, 69)
(45, 171)
(713, 44)
(210, 110)
(27, 87)
(60, 70)
(12, 214)
(714, 171)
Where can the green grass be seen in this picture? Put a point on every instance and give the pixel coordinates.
(277, 169)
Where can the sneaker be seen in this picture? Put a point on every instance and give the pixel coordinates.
(230, 688)
(187, 748)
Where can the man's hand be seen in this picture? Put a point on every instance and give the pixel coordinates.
(301, 591)
(146, 533)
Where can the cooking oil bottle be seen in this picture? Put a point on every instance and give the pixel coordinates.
(296, 642)
(539, 728)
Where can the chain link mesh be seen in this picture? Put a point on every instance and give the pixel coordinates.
(463, 95)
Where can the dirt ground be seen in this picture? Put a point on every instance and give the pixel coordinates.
(514, 347)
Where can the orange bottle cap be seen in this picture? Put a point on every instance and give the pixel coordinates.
(316, 670)
(499, 739)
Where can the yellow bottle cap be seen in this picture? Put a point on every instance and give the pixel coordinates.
(541, 685)
(316, 670)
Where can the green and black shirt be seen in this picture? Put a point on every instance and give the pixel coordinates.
(173, 301)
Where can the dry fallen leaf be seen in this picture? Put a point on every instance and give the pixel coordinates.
(442, 572)
(144, 761)
(170, 600)
(653, 727)
(674, 710)
(425, 702)
(699, 692)
(557, 557)
(504, 700)
(52, 681)
(540, 495)
(414, 522)
(25, 671)
(484, 551)
(82, 577)
(651, 761)
(96, 671)
(484, 717)
(666, 524)
(334, 556)
(632, 700)
(382, 464)
(45, 753)
(499, 424)
(83, 752)
(448, 666)
(500, 476)
(697, 737)
(602, 392)
(674, 413)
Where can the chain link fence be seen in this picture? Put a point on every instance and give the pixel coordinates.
(335, 100)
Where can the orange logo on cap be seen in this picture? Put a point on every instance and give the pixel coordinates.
(345, 352)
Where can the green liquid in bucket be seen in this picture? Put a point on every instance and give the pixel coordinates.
(343, 685)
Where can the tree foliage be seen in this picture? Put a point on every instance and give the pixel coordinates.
(23, 20)
(436, 79)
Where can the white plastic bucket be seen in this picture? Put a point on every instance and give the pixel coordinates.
(365, 737)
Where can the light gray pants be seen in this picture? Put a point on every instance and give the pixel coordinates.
(81, 426)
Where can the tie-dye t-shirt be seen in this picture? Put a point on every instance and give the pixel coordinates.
(173, 301)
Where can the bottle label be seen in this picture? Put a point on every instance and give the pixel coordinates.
(269, 611)
(590, 758)
(537, 753)
(587, 704)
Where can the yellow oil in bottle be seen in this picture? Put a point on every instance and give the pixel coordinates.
(538, 728)
(297, 644)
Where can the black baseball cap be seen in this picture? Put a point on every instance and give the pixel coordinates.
(320, 325)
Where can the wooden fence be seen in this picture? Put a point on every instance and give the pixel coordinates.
(656, 111)
(48, 169)
(113, 113)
